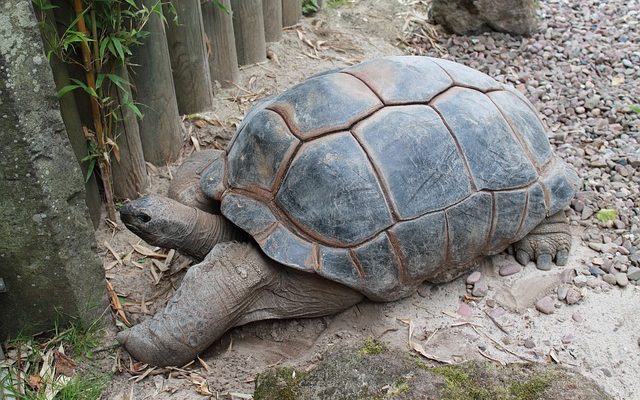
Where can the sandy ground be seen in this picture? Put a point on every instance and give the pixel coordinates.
(601, 337)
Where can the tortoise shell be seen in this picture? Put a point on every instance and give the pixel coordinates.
(391, 172)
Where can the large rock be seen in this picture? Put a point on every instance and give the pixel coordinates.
(372, 372)
(47, 245)
(475, 16)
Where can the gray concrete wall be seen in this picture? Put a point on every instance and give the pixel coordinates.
(47, 244)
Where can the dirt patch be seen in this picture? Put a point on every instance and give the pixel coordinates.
(502, 327)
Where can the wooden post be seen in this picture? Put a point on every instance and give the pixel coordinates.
(248, 27)
(221, 42)
(130, 173)
(291, 12)
(189, 58)
(272, 15)
(160, 129)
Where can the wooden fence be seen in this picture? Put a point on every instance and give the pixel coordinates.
(175, 73)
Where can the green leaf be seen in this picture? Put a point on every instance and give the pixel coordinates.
(635, 108)
(135, 109)
(118, 46)
(99, 80)
(66, 89)
(606, 214)
(89, 90)
(103, 47)
(118, 81)
(90, 169)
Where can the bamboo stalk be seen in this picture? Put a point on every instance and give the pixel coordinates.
(103, 162)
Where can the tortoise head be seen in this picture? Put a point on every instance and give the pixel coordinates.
(160, 221)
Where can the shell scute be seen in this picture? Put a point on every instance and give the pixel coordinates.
(402, 79)
(496, 159)
(259, 151)
(417, 157)
(326, 103)
(332, 190)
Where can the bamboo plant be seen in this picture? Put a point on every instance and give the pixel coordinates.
(99, 37)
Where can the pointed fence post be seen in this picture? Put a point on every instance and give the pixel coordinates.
(221, 42)
(248, 28)
(291, 12)
(160, 128)
(130, 172)
(272, 15)
(189, 63)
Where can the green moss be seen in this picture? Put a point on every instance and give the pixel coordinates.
(463, 382)
(371, 346)
(399, 388)
(531, 389)
(460, 385)
(278, 384)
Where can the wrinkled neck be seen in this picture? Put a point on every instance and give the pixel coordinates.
(203, 231)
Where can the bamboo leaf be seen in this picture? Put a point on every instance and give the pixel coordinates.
(103, 46)
(90, 169)
(66, 89)
(135, 109)
(118, 46)
(118, 81)
(99, 80)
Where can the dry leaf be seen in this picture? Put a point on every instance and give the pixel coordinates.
(113, 252)
(35, 381)
(145, 251)
(196, 143)
(160, 265)
(64, 365)
(116, 305)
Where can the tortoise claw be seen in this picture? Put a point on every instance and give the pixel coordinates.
(562, 256)
(523, 257)
(544, 262)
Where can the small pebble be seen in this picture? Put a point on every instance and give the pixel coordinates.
(633, 273)
(568, 338)
(573, 296)
(610, 279)
(545, 305)
(491, 303)
(510, 269)
(474, 277)
(480, 288)
(577, 317)
(529, 344)
(622, 279)
(562, 292)
(464, 310)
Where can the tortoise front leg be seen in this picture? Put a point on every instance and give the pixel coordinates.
(551, 239)
(235, 284)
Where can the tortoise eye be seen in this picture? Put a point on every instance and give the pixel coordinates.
(144, 218)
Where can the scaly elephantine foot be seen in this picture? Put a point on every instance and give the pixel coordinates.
(549, 240)
(235, 284)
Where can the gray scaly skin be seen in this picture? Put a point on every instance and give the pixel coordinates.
(166, 223)
(551, 239)
(234, 285)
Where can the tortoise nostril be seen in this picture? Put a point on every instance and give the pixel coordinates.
(142, 217)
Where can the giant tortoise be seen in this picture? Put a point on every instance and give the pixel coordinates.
(364, 181)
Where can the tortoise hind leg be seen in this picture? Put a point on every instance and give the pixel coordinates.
(234, 285)
(551, 239)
